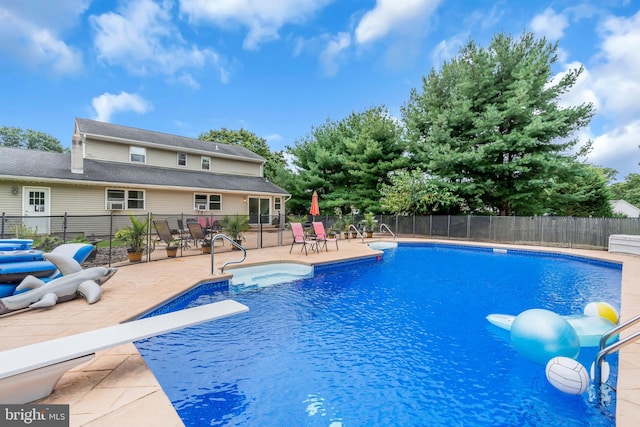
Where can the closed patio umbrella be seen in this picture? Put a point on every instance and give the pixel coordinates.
(315, 209)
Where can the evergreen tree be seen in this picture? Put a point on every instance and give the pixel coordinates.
(347, 161)
(488, 124)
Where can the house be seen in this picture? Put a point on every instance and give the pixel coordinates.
(624, 208)
(119, 169)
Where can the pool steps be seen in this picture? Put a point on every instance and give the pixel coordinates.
(260, 276)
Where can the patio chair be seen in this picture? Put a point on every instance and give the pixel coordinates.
(184, 233)
(164, 233)
(321, 236)
(299, 238)
(197, 233)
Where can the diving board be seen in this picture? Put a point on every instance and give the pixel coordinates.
(29, 373)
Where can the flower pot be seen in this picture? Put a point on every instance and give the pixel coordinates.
(134, 256)
(369, 234)
(234, 247)
(172, 252)
(206, 249)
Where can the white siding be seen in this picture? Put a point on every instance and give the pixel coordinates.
(235, 167)
(101, 150)
(115, 152)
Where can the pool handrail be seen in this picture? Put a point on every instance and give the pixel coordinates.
(382, 226)
(606, 350)
(354, 228)
(233, 242)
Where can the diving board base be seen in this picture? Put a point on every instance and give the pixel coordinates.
(35, 366)
(38, 383)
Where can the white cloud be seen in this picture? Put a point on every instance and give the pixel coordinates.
(549, 24)
(393, 16)
(142, 38)
(618, 77)
(333, 52)
(618, 149)
(29, 35)
(581, 92)
(447, 49)
(108, 104)
(264, 19)
(613, 85)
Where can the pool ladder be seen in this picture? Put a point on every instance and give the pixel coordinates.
(605, 349)
(233, 242)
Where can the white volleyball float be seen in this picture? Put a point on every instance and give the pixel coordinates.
(567, 375)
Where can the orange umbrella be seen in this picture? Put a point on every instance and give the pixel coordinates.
(315, 209)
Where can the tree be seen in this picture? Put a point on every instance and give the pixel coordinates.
(274, 167)
(29, 139)
(629, 190)
(489, 125)
(582, 192)
(415, 193)
(348, 161)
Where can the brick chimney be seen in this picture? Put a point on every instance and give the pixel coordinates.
(77, 153)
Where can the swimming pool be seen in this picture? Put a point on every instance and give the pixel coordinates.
(401, 341)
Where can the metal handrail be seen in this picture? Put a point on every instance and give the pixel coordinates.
(606, 350)
(388, 229)
(233, 242)
(351, 226)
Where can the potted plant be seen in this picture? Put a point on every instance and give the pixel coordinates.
(369, 223)
(134, 236)
(206, 246)
(235, 226)
(172, 248)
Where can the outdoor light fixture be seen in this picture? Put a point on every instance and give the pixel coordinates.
(14, 190)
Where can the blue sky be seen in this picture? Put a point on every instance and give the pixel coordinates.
(279, 67)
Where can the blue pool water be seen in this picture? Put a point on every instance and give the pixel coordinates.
(402, 341)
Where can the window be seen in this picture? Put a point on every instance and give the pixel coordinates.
(206, 163)
(277, 203)
(207, 202)
(125, 199)
(182, 159)
(138, 154)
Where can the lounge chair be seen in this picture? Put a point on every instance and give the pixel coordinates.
(321, 236)
(299, 238)
(164, 232)
(197, 233)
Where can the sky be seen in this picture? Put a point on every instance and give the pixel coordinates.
(279, 68)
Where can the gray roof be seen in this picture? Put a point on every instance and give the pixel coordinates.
(40, 165)
(109, 131)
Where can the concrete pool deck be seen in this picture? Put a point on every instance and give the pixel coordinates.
(117, 388)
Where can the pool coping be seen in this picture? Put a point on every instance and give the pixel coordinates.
(118, 388)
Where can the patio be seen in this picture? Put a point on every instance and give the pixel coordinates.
(117, 388)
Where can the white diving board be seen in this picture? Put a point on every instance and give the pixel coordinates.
(29, 373)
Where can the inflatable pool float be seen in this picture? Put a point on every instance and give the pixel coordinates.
(15, 244)
(20, 255)
(588, 328)
(14, 272)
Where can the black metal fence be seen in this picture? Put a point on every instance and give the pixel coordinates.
(269, 231)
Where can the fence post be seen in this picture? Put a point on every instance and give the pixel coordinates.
(448, 226)
(110, 236)
(468, 227)
(64, 228)
(2, 232)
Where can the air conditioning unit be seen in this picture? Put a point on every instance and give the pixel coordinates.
(115, 206)
(201, 207)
